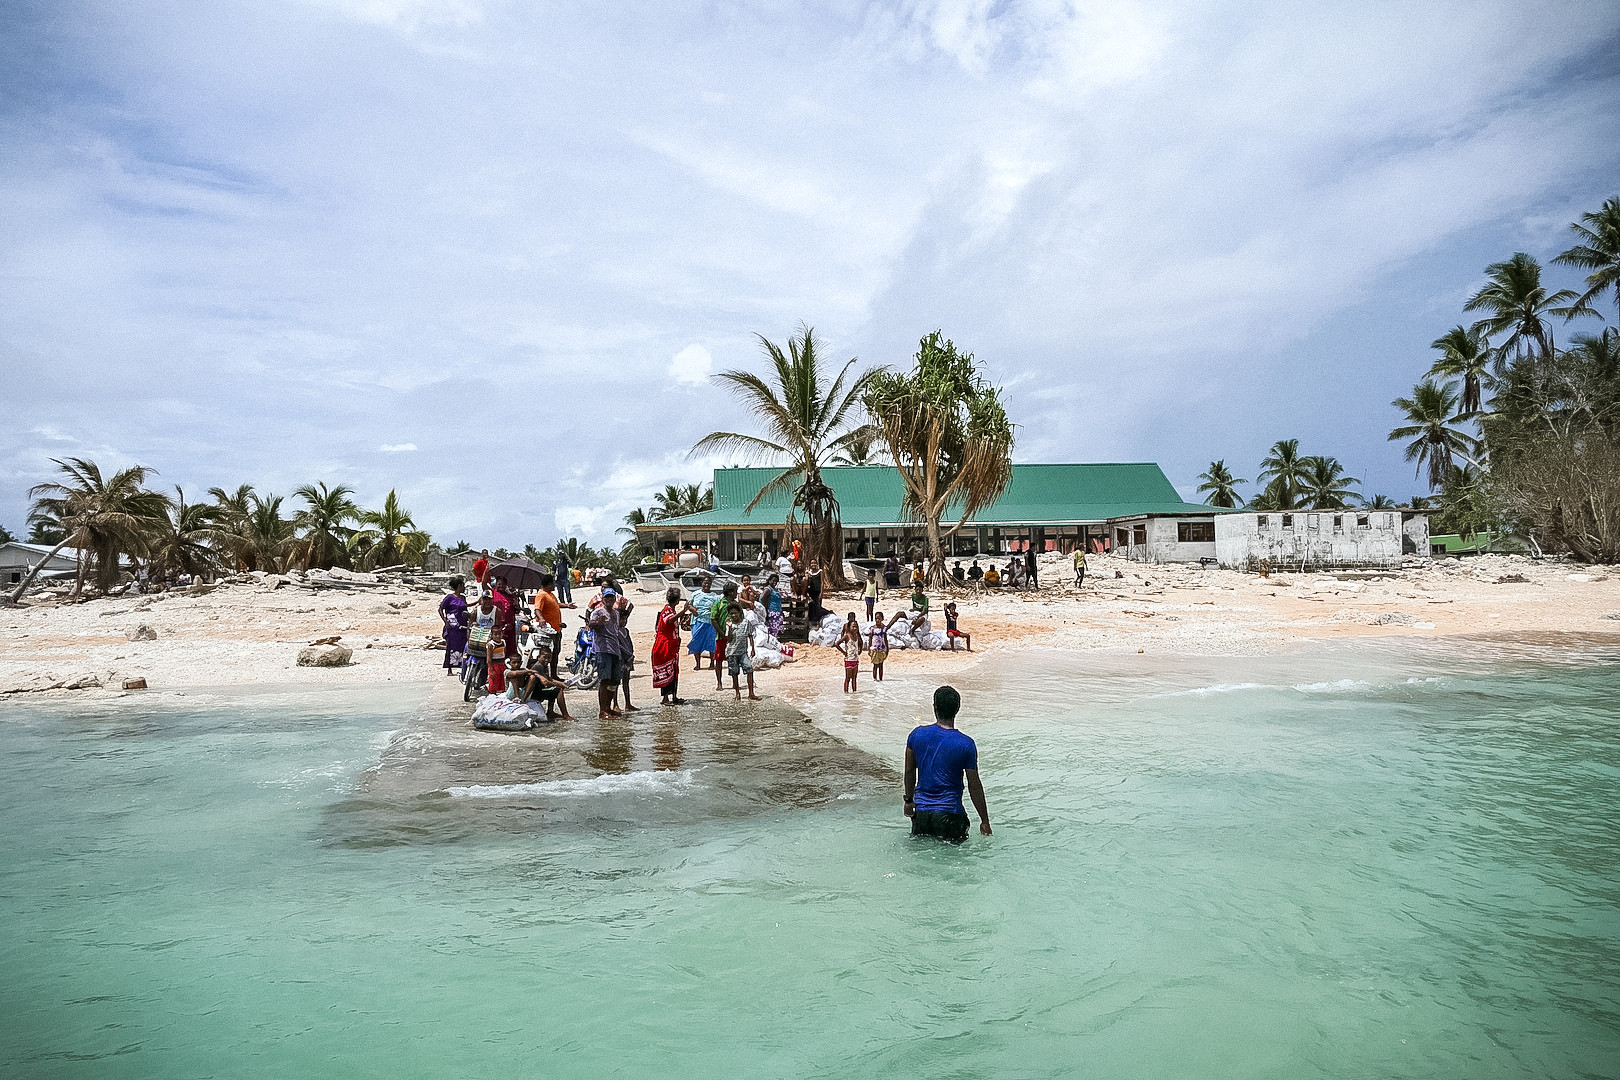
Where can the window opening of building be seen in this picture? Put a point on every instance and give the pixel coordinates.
(1288, 521)
(1195, 532)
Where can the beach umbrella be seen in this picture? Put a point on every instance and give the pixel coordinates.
(518, 573)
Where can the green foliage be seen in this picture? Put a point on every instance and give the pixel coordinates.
(949, 437)
(5, 535)
(1599, 252)
(1282, 471)
(1324, 486)
(1430, 412)
(107, 518)
(1221, 485)
(322, 530)
(185, 541)
(1518, 305)
(681, 500)
(1465, 353)
(388, 537)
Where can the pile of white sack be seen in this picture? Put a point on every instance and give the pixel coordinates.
(768, 652)
(905, 634)
(497, 713)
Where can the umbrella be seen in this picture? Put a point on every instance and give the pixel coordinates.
(518, 573)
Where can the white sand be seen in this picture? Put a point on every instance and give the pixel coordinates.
(249, 633)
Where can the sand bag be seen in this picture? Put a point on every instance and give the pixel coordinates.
(495, 713)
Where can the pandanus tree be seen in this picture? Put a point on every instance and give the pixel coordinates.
(1598, 251)
(948, 434)
(105, 517)
(1517, 305)
(1220, 484)
(1434, 441)
(807, 418)
(1465, 354)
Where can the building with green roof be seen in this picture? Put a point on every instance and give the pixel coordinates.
(1048, 507)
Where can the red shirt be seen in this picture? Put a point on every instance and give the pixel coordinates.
(480, 569)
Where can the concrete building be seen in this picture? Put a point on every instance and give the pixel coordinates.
(1306, 539)
(17, 558)
(1047, 507)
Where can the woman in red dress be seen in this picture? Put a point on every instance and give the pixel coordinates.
(666, 650)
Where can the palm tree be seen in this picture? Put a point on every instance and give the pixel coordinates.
(1325, 486)
(388, 537)
(1429, 413)
(1518, 306)
(321, 524)
(104, 517)
(862, 451)
(1599, 252)
(463, 548)
(1380, 502)
(635, 517)
(1221, 485)
(269, 535)
(1464, 354)
(184, 542)
(44, 527)
(681, 500)
(949, 437)
(230, 514)
(807, 420)
(1283, 473)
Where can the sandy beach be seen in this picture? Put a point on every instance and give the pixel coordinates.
(250, 633)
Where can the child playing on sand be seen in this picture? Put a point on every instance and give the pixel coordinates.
(877, 641)
(951, 632)
(740, 652)
(849, 643)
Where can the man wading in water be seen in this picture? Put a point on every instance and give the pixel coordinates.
(938, 760)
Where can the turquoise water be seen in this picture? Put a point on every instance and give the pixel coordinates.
(1233, 868)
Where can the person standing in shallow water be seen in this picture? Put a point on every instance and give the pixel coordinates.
(940, 761)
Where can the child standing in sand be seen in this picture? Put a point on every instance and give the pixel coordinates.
(877, 641)
(870, 592)
(951, 632)
(740, 652)
(849, 643)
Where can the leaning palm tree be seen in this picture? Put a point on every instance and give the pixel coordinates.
(184, 544)
(1598, 252)
(807, 419)
(1465, 354)
(321, 528)
(1435, 443)
(106, 518)
(1518, 305)
(388, 537)
(1283, 473)
(1325, 486)
(1221, 485)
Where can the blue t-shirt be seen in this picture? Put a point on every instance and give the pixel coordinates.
(942, 755)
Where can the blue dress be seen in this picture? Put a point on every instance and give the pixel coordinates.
(703, 637)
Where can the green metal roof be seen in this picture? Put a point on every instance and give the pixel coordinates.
(870, 496)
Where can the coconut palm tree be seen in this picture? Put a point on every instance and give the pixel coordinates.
(1221, 485)
(104, 517)
(1325, 487)
(1598, 252)
(1517, 305)
(635, 517)
(269, 535)
(1435, 443)
(681, 500)
(862, 451)
(1380, 502)
(388, 537)
(320, 525)
(184, 544)
(1465, 354)
(807, 419)
(1283, 473)
(949, 437)
(230, 513)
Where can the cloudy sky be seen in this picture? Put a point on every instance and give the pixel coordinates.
(488, 252)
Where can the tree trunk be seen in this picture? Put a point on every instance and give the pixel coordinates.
(16, 597)
(936, 553)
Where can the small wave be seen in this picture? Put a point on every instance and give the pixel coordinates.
(1337, 686)
(1222, 688)
(640, 783)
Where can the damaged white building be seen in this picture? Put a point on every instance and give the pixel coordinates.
(1300, 539)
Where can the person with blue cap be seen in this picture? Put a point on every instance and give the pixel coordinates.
(607, 630)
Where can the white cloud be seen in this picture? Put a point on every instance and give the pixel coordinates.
(692, 366)
(397, 448)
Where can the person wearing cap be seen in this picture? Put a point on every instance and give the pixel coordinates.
(940, 761)
(605, 626)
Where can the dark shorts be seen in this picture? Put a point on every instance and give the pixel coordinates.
(609, 668)
(940, 823)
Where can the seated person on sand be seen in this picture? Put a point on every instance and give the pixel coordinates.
(992, 577)
(919, 599)
(975, 573)
(951, 632)
(958, 573)
(533, 684)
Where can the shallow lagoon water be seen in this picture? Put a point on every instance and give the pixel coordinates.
(1277, 867)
